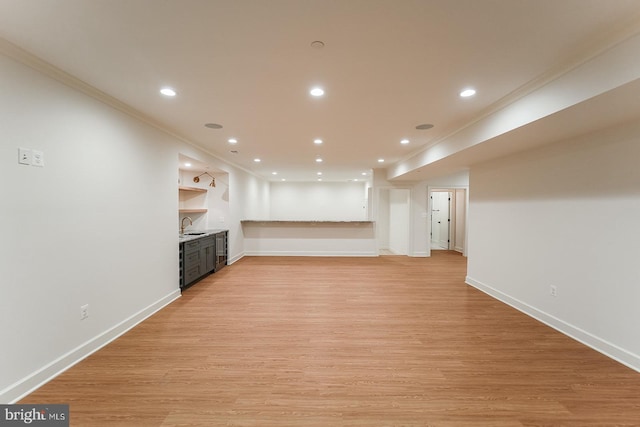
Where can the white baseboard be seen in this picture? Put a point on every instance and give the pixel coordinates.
(312, 253)
(420, 254)
(610, 350)
(21, 388)
(235, 258)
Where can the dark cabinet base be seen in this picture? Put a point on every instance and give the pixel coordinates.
(202, 256)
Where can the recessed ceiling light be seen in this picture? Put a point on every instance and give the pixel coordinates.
(283, 179)
(213, 126)
(257, 160)
(319, 173)
(232, 141)
(319, 179)
(317, 91)
(380, 160)
(167, 91)
(274, 173)
(319, 160)
(317, 141)
(188, 165)
(404, 141)
(364, 174)
(424, 126)
(467, 93)
(355, 180)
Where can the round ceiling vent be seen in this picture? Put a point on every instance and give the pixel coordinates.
(424, 126)
(213, 126)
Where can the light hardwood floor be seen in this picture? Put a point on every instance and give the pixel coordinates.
(387, 341)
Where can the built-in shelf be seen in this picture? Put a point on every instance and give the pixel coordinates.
(194, 189)
(192, 200)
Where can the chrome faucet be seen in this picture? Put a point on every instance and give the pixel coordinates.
(182, 226)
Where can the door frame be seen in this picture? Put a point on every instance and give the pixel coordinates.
(452, 216)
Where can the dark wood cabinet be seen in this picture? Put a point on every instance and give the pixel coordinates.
(207, 254)
(192, 266)
(202, 256)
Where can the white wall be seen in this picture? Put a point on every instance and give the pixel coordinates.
(85, 229)
(329, 201)
(316, 201)
(96, 225)
(382, 218)
(460, 232)
(267, 238)
(399, 221)
(566, 215)
(218, 202)
(249, 199)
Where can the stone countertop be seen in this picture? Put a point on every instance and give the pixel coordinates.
(188, 237)
(300, 221)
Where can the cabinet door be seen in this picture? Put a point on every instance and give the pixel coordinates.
(192, 246)
(191, 274)
(207, 254)
(191, 259)
(210, 259)
(191, 269)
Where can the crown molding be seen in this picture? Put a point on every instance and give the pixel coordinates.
(585, 52)
(24, 57)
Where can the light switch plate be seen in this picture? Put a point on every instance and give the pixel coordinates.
(84, 311)
(37, 158)
(24, 156)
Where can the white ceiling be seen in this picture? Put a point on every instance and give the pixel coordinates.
(387, 66)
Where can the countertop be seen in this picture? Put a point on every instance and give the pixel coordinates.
(300, 221)
(188, 237)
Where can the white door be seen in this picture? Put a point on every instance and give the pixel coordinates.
(440, 219)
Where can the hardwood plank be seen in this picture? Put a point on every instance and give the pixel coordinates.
(387, 341)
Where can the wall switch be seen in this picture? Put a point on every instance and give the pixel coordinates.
(553, 291)
(84, 311)
(24, 156)
(37, 158)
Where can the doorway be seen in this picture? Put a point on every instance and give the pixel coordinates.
(447, 219)
(441, 220)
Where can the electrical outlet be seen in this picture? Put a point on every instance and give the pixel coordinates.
(84, 311)
(553, 291)
(24, 156)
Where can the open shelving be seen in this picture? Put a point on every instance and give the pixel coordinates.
(192, 199)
